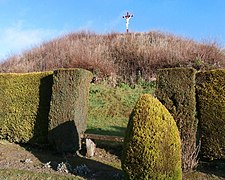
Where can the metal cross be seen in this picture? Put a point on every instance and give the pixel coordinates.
(127, 18)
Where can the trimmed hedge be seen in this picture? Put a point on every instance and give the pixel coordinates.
(176, 91)
(69, 108)
(210, 87)
(152, 147)
(24, 106)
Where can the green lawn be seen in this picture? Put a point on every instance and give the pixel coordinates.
(109, 108)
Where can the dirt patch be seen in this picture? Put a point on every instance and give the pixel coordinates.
(104, 165)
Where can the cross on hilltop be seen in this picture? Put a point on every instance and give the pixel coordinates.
(127, 18)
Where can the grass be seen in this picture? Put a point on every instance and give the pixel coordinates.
(8, 174)
(125, 55)
(110, 107)
(199, 175)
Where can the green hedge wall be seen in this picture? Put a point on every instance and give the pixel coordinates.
(69, 108)
(210, 87)
(24, 106)
(152, 145)
(176, 90)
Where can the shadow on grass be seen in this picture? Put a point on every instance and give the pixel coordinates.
(114, 131)
(61, 155)
(215, 167)
(76, 165)
(111, 147)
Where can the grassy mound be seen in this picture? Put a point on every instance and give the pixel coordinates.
(128, 57)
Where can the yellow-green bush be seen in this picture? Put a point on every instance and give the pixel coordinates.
(152, 147)
(69, 108)
(24, 106)
(176, 91)
(210, 87)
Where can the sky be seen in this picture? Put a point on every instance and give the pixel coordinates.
(25, 24)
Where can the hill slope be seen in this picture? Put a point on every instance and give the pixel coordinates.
(126, 57)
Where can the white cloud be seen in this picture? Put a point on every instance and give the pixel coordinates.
(15, 38)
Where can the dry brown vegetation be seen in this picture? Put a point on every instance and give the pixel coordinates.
(126, 57)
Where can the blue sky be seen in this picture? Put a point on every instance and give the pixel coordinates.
(26, 23)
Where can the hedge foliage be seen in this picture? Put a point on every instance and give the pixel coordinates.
(152, 147)
(176, 90)
(24, 106)
(69, 108)
(211, 112)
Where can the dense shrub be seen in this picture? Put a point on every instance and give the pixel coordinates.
(24, 106)
(152, 147)
(176, 91)
(211, 112)
(69, 107)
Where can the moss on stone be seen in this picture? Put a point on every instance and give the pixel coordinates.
(152, 147)
(211, 112)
